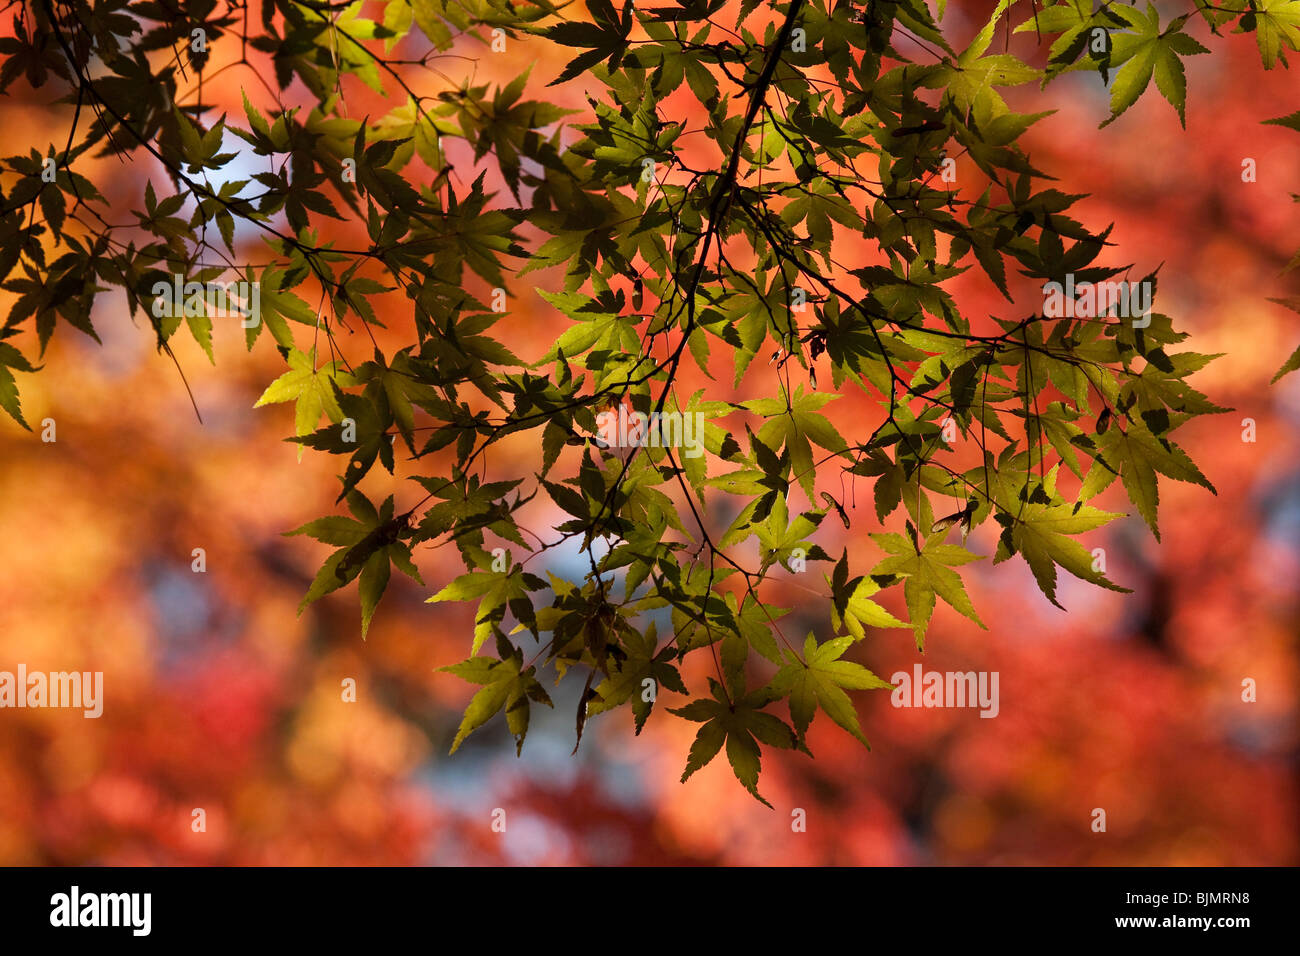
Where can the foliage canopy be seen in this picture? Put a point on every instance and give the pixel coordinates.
(800, 215)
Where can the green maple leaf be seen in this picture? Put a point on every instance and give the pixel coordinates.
(505, 685)
(819, 680)
(740, 725)
(929, 572)
(1289, 366)
(1073, 20)
(400, 384)
(10, 357)
(605, 39)
(860, 612)
(780, 537)
(429, 16)
(1293, 303)
(971, 80)
(366, 546)
(1290, 121)
(754, 623)
(469, 233)
(597, 323)
(793, 426)
(1135, 455)
(275, 306)
(626, 680)
(369, 442)
(495, 590)
(311, 388)
(1150, 52)
(1276, 22)
(1038, 529)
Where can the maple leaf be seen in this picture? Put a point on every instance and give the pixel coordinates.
(928, 572)
(10, 357)
(740, 725)
(858, 612)
(792, 425)
(1036, 524)
(1135, 455)
(311, 388)
(819, 680)
(1276, 22)
(627, 679)
(505, 685)
(496, 590)
(1293, 362)
(367, 545)
(606, 39)
(1150, 52)
(275, 305)
(971, 80)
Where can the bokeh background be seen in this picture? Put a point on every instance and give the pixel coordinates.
(219, 696)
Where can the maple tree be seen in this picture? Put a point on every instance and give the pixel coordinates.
(807, 222)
